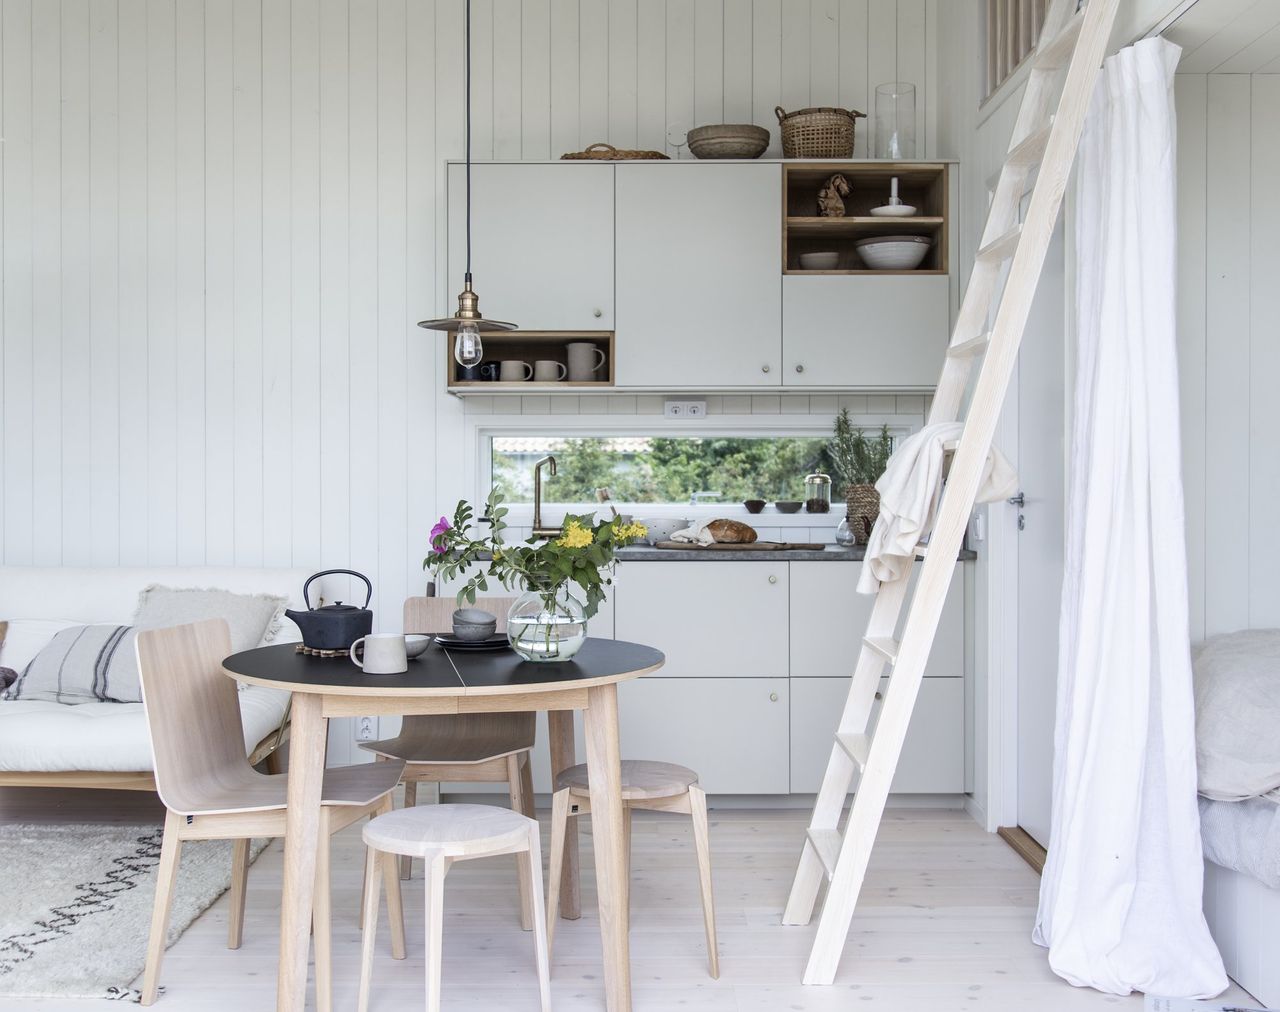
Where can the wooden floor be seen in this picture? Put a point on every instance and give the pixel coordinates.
(944, 926)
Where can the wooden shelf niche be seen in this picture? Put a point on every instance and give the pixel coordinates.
(530, 346)
(923, 185)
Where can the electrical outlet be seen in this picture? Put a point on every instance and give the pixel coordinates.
(685, 409)
(366, 728)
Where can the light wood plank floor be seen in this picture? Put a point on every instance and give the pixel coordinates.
(944, 926)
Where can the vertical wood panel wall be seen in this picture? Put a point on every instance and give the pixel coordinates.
(1229, 345)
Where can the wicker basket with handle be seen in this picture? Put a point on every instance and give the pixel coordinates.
(820, 132)
(862, 507)
(608, 153)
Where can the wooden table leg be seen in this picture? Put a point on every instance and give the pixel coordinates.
(604, 772)
(302, 826)
(560, 736)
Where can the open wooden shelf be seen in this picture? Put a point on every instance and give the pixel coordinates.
(530, 346)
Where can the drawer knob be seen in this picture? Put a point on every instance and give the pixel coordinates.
(799, 367)
(765, 367)
(773, 697)
(773, 579)
(597, 313)
(878, 696)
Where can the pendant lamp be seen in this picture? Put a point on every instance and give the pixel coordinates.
(467, 324)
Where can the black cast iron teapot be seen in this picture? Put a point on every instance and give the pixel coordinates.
(335, 626)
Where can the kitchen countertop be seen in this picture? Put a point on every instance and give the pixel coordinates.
(832, 553)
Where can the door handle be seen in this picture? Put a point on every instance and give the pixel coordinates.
(1018, 500)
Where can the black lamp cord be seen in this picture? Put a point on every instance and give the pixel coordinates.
(467, 59)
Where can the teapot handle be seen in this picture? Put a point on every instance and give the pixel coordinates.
(330, 572)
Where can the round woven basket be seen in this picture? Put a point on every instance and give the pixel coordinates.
(608, 153)
(820, 132)
(862, 507)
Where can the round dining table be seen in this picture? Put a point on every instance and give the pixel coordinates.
(440, 682)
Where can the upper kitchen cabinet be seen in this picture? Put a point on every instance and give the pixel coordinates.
(699, 293)
(543, 242)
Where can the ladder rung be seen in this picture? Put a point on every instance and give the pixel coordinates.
(856, 746)
(826, 844)
(921, 551)
(1028, 152)
(950, 445)
(882, 645)
(1057, 51)
(971, 348)
(1001, 248)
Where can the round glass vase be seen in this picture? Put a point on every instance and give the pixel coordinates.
(895, 126)
(546, 626)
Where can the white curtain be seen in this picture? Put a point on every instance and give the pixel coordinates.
(1120, 900)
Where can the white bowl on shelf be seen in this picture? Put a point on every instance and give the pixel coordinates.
(819, 261)
(894, 211)
(893, 252)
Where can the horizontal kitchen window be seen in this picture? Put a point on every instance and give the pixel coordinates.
(658, 469)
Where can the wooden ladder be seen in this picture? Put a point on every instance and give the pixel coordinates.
(1042, 148)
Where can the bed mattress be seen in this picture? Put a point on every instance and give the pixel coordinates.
(1243, 836)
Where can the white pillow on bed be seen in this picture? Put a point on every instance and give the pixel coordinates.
(1237, 686)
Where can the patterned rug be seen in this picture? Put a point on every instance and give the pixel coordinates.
(75, 905)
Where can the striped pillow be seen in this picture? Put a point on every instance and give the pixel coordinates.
(83, 664)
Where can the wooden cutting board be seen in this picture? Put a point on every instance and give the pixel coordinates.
(755, 546)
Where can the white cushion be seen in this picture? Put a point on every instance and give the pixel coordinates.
(45, 737)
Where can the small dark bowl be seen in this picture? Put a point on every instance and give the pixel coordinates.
(754, 505)
(788, 506)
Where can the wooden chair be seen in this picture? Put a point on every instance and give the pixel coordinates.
(443, 834)
(659, 787)
(469, 748)
(212, 793)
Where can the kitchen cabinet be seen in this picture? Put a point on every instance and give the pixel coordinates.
(932, 759)
(542, 243)
(864, 330)
(699, 289)
(828, 619)
(711, 619)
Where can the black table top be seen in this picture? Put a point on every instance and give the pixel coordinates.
(440, 672)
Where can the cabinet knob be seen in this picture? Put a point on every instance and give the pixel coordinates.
(773, 697)
(799, 367)
(597, 313)
(878, 696)
(773, 579)
(765, 367)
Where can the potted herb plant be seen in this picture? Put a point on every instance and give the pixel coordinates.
(858, 463)
(548, 622)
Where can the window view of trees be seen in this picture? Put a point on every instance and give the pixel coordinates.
(660, 469)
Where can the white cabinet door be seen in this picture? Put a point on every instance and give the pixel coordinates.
(829, 619)
(542, 243)
(864, 330)
(699, 286)
(731, 731)
(932, 760)
(711, 619)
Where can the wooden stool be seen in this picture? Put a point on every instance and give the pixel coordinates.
(660, 787)
(441, 835)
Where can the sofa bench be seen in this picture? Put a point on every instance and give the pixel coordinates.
(106, 745)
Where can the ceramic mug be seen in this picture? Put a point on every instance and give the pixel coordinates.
(514, 370)
(383, 654)
(584, 359)
(547, 371)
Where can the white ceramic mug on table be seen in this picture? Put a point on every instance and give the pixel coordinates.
(546, 370)
(383, 654)
(585, 359)
(514, 370)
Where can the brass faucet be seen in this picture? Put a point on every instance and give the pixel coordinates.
(540, 531)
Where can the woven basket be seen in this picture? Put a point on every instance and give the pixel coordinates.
(817, 133)
(608, 153)
(862, 507)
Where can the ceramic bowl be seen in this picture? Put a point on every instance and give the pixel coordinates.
(473, 624)
(788, 506)
(893, 252)
(754, 505)
(819, 261)
(416, 645)
(661, 528)
(728, 140)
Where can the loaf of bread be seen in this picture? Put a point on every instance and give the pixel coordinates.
(732, 532)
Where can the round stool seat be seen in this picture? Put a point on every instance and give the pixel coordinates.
(641, 780)
(451, 830)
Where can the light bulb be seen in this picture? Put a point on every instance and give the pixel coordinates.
(467, 348)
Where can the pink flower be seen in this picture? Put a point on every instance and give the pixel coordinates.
(437, 536)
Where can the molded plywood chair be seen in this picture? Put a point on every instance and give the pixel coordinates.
(660, 787)
(212, 793)
(471, 748)
(443, 834)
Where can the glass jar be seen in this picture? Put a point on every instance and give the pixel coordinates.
(547, 625)
(895, 126)
(845, 537)
(817, 493)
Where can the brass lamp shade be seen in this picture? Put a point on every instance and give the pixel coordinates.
(468, 312)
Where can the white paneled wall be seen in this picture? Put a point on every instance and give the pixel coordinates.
(1229, 345)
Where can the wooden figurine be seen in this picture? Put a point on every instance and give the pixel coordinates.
(830, 204)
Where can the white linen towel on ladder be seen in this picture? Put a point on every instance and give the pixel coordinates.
(1120, 898)
(910, 490)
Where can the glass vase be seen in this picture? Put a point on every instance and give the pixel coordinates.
(547, 625)
(895, 125)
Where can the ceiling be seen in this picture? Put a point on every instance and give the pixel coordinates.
(1228, 37)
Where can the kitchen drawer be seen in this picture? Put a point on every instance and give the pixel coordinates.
(829, 619)
(932, 760)
(711, 619)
